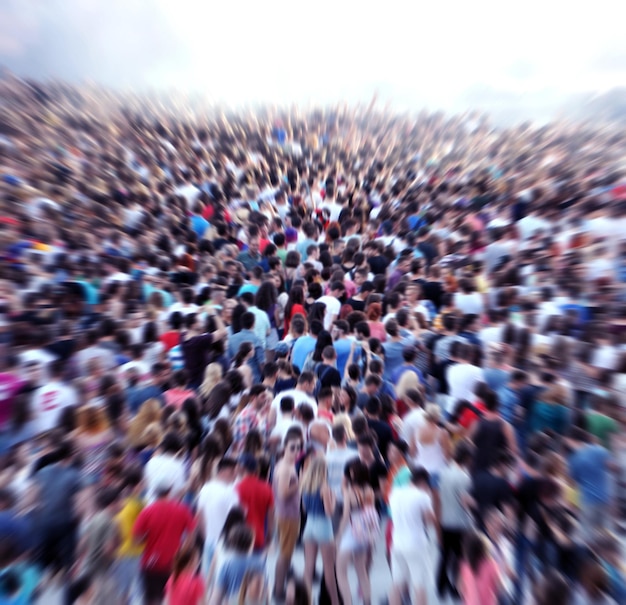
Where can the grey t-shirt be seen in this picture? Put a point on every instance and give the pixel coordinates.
(454, 485)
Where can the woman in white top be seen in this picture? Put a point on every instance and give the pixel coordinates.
(432, 443)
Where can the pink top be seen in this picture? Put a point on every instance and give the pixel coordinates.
(177, 397)
(482, 588)
(187, 589)
(377, 330)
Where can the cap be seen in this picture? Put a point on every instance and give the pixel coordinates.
(291, 235)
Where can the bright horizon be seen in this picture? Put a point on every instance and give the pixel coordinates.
(450, 56)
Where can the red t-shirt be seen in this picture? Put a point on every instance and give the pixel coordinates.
(170, 339)
(161, 526)
(257, 499)
(186, 589)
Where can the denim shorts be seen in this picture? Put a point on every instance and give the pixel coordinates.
(318, 529)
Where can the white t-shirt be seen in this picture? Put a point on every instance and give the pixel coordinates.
(333, 306)
(605, 357)
(299, 397)
(335, 210)
(215, 501)
(408, 506)
(336, 461)
(462, 381)
(164, 468)
(469, 303)
(411, 423)
(48, 403)
(491, 334)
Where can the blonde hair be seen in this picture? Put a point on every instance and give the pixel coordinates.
(433, 412)
(408, 381)
(152, 435)
(344, 420)
(315, 475)
(212, 375)
(149, 412)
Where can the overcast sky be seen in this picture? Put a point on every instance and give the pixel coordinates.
(446, 54)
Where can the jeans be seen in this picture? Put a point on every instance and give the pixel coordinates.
(126, 574)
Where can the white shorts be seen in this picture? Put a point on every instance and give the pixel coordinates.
(413, 568)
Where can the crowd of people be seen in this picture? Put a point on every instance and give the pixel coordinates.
(232, 342)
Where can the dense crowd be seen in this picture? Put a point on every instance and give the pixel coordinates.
(366, 338)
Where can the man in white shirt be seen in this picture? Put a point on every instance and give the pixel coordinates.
(215, 500)
(463, 377)
(166, 465)
(301, 394)
(333, 306)
(494, 331)
(412, 553)
(414, 419)
(50, 400)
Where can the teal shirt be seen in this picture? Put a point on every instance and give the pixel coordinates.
(547, 416)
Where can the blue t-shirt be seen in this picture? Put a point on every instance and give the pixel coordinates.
(199, 225)
(589, 468)
(301, 348)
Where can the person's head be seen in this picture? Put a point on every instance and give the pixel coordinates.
(287, 405)
(373, 407)
(414, 398)
(329, 355)
(306, 382)
(366, 447)
(259, 396)
(357, 473)
(339, 434)
(172, 444)
(297, 592)
(293, 444)
(240, 539)
(420, 477)
(187, 558)
(463, 454)
(433, 413)
(552, 589)
(247, 320)
(397, 452)
(227, 469)
(373, 383)
(325, 398)
(475, 550)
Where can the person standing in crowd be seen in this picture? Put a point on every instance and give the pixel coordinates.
(412, 554)
(287, 502)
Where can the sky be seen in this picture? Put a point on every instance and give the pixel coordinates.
(448, 55)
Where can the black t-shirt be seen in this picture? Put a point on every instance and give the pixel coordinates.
(328, 376)
(357, 305)
(490, 491)
(384, 434)
(377, 472)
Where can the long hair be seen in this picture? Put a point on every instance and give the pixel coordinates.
(245, 348)
(183, 558)
(324, 339)
(315, 475)
(296, 297)
(266, 296)
(475, 551)
(212, 375)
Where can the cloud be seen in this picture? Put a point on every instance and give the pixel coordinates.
(241, 51)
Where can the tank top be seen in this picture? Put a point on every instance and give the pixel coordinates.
(286, 508)
(430, 456)
(489, 440)
(313, 504)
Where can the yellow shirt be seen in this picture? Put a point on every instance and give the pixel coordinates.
(126, 520)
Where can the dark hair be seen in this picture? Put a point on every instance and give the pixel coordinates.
(247, 320)
(475, 550)
(235, 516)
